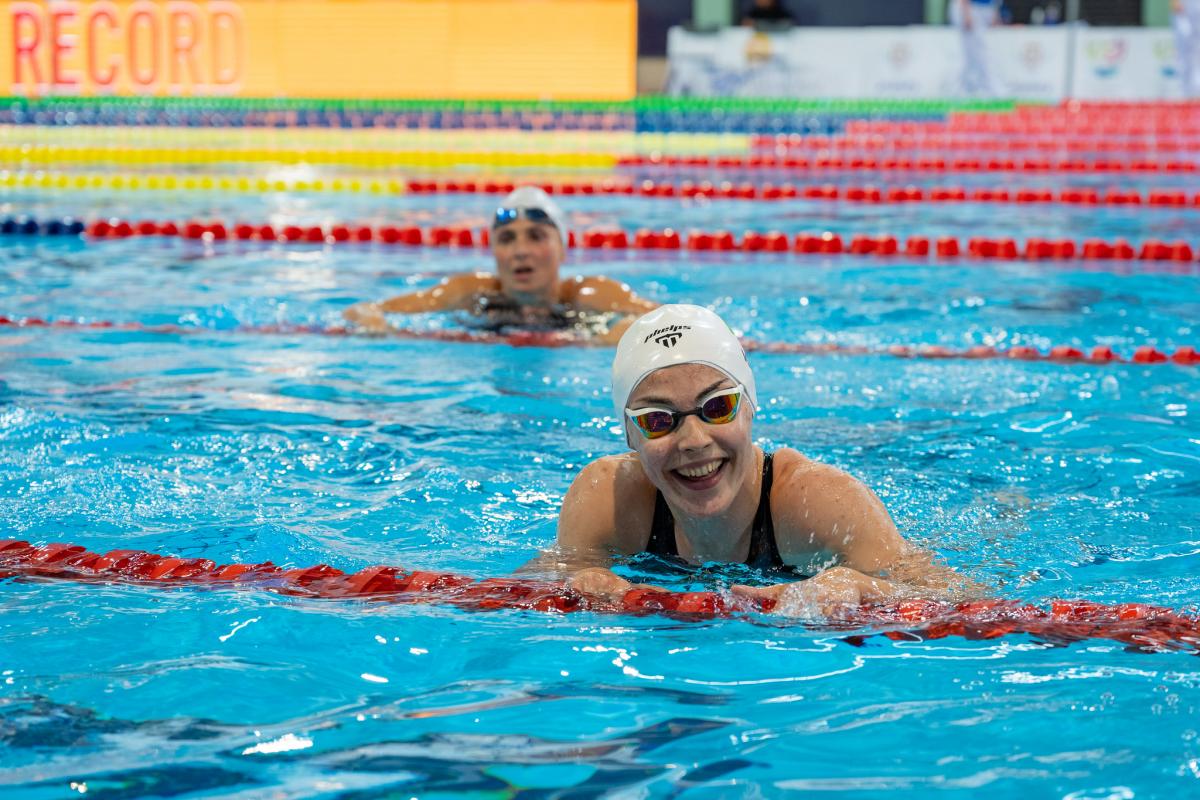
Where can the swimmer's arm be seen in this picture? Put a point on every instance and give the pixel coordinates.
(588, 530)
(586, 526)
(594, 525)
(453, 293)
(822, 509)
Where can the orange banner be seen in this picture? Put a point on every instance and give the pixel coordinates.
(471, 49)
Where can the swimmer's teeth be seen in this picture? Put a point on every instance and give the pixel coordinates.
(700, 472)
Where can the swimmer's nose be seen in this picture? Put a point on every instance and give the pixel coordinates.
(692, 433)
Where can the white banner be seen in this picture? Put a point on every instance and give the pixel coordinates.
(1031, 63)
(1126, 64)
(911, 62)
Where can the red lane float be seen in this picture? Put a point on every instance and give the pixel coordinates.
(1140, 626)
(826, 243)
(727, 190)
(1134, 121)
(1061, 354)
(891, 163)
(518, 339)
(856, 141)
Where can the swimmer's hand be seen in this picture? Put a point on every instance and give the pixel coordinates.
(603, 582)
(368, 316)
(835, 593)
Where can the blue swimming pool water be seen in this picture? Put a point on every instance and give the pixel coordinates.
(1041, 479)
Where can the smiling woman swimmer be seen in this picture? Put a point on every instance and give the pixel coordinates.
(696, 488)
(528, 239)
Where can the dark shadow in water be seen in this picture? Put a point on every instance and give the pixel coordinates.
(37, 722)
(74, 741)
(461, 762)
(172, 781)
(602, 691)
(1067, 300)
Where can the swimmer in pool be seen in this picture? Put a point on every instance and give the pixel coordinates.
(696, 488)
(529, 237)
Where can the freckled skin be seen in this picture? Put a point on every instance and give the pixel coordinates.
(528, 258)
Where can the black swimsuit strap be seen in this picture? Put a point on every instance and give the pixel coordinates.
(764, 553)
(662, 529)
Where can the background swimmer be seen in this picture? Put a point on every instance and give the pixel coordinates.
(696, 487)
(529, 236)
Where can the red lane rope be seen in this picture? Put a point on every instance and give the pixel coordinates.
(727, 190)
(922, 164)
(1138, 625)
(826, 243)
(1177, 122)
(518, 339)
(918, 142)
(1061, 354)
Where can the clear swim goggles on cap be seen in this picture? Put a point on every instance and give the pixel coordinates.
(719, 408)
(504, 216)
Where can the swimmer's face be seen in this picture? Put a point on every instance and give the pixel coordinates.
(700, 468)
(527, 257)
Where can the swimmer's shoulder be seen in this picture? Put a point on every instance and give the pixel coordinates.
(598, 293)
(798, 478)
(452, 293)
(815, 505)
(473, 282)
(613, 499)
(787, 462)
(467, 287)
(791, 467)
(618, 476)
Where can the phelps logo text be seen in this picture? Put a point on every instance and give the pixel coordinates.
(669, 335)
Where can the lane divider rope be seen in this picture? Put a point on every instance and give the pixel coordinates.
(826, 243)
(924, 164)
(56, 157)
(724, 190)
(1060, 354)
(1140, 626)
(946, 141)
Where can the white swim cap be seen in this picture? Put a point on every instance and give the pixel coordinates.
(524, 199)
(677, 334)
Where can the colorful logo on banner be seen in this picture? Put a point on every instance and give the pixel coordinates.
(1167, 58)
(75, 46)
(1107, 56)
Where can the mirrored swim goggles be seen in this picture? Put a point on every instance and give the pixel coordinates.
(504, 216)
(719, 408)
